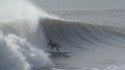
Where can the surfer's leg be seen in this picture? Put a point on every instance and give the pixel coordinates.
(57, 45)
(57, 48)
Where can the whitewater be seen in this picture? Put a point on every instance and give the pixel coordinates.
(25, 31)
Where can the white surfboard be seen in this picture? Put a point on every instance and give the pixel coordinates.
(58, 54)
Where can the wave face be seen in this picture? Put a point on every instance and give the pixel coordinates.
(25, 31)
(89, 44)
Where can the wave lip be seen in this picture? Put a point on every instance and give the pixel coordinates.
(73, 32)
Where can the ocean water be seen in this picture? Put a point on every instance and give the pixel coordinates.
(94, 38)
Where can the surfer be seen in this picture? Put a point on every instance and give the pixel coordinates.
(54, 45)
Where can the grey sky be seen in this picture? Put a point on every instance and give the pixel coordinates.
(81, 4)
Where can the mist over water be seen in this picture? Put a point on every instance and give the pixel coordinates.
(18, 25)
(25, 31)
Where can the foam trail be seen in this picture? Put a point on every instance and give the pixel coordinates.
(21, 54)
(11, 58)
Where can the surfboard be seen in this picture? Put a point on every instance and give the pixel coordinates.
(58, 54)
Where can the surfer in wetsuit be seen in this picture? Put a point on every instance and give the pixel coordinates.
(54, 45)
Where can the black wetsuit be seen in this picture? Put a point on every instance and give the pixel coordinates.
(53, 44)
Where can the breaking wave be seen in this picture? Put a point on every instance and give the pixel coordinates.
(25, 31)
(89, 44)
